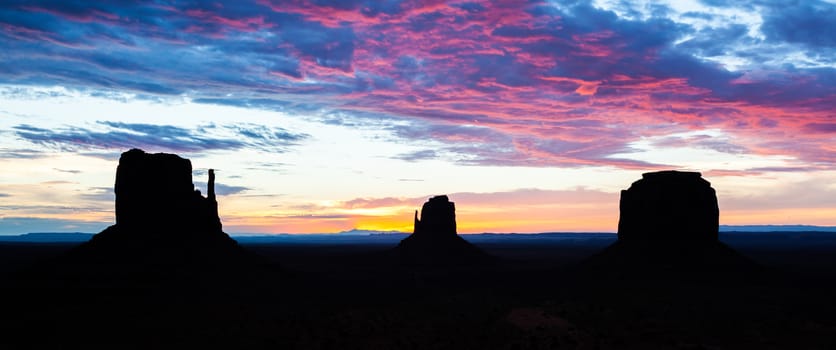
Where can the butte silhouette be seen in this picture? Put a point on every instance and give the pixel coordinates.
(434, 239)
(668, 226)
(162, 223)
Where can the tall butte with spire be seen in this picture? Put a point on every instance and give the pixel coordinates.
(434, 239)
(161, 219)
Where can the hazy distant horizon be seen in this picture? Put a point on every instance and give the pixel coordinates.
(723, 228)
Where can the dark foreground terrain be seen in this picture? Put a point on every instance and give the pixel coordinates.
(346, 294)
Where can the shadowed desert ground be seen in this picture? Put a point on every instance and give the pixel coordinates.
(347, 293)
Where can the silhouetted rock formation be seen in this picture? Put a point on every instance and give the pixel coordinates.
(669, 205)
(155, 194)
(668, 227)
(438, 217)
(434, 239)
(162, 222)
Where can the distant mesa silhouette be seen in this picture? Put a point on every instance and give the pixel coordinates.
(434, 239)
(438, 217)
(161, 220)
(669, 205)
(669, 223)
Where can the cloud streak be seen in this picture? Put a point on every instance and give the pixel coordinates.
(21, 225)
(120, 136)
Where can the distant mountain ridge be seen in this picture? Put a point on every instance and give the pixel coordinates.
(358, 232)
(776, 228)
(49, 237)
(72, 237)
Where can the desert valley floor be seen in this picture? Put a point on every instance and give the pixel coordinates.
(347, 293)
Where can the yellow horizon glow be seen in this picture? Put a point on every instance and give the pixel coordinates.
(475, 222)
(468, 223)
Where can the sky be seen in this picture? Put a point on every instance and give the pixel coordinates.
(324, 116)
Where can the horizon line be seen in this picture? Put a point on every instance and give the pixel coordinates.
(722, 228)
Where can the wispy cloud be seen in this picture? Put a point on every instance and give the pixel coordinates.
(6, 153)
(21, 225)
(120, 136)
(224, 190)
(68, 171)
